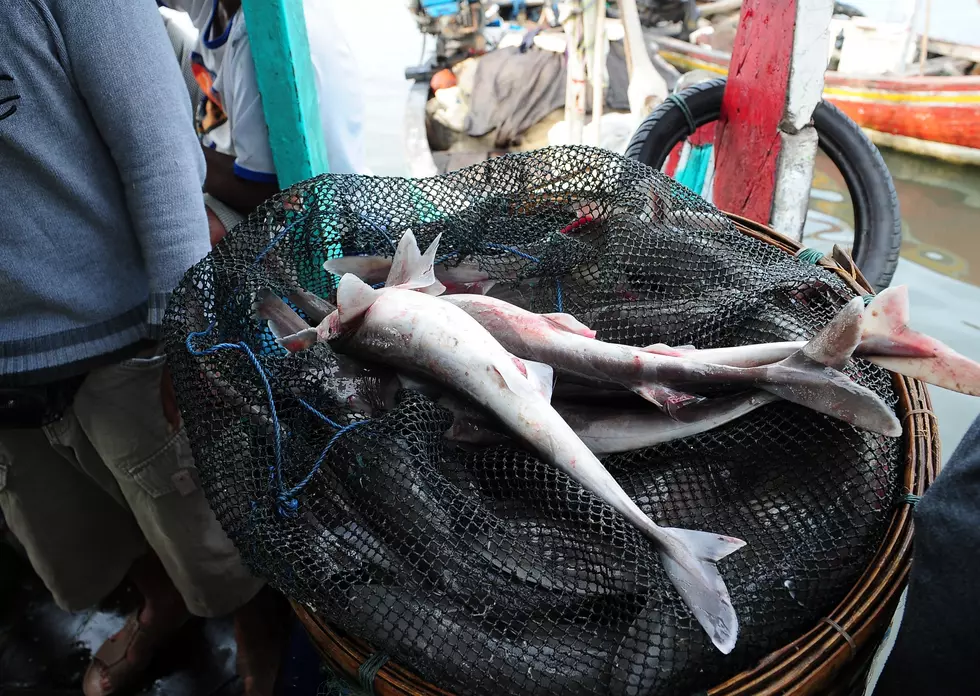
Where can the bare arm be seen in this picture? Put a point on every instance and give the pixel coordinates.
(222, 183)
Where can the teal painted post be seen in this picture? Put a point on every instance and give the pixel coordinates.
(281, 51)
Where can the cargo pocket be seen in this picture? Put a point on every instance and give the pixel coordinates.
(120, 408)
(151, 363)
(169, 470)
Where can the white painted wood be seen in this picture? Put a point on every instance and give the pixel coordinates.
(794, 177)
(811, 45)
(798, 140)
(598, 69)
(417, 151)
(647, 88)
(953, 50)
(575, 83)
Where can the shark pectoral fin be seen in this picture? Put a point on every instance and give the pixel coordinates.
(354, 297)
(668, 400)
(829, 391)
(541, 377)
(480, 287)
(315, 307)
(301, 340)
(664, 349)
(566, 322)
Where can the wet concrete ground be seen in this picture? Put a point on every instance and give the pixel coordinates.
(44, 651)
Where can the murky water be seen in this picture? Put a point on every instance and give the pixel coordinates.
(940, 261)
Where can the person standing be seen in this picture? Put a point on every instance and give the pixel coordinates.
(216, 60)
(936, 647)
(102, 216)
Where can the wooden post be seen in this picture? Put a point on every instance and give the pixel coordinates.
(575, 82)
(924, 43)
(281, 52)
(765, 146)
(598, 69)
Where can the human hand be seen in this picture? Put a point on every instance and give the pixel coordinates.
(215, 227)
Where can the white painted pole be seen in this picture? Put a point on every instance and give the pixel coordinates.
(575, 84)
(647, 88)
(924, 45)
(798, 139)
(598, 69)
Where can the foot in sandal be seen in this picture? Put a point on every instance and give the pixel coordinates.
(118, 665)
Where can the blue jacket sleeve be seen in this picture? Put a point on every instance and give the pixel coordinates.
(127, 73)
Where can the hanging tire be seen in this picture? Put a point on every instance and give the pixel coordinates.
(877, 218)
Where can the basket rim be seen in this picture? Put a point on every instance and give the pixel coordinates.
(810, 662)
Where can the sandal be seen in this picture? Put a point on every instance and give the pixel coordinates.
(111, 672)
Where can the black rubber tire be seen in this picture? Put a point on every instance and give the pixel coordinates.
(877, 217)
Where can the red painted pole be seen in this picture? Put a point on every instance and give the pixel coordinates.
(764, 147)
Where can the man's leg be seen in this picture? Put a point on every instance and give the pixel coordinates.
(79, 540)
(121, 411)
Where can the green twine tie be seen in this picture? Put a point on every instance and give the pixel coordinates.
(368, 671)
(910, 499)
(809, 255)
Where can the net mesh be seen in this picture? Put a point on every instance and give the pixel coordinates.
(488, 571)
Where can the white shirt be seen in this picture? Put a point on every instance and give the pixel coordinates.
(229, 117)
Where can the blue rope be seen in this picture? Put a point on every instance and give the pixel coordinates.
(277, 238)
(276, 471)
(514, 251)
(559, 300)
(868, 299)
(287, 498)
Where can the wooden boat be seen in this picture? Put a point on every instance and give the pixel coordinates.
(932, 116)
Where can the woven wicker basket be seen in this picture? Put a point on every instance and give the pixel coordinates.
(833, 656)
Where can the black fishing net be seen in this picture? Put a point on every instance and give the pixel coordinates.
(488, 571)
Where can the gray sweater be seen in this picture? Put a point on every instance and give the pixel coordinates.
(101, 210)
